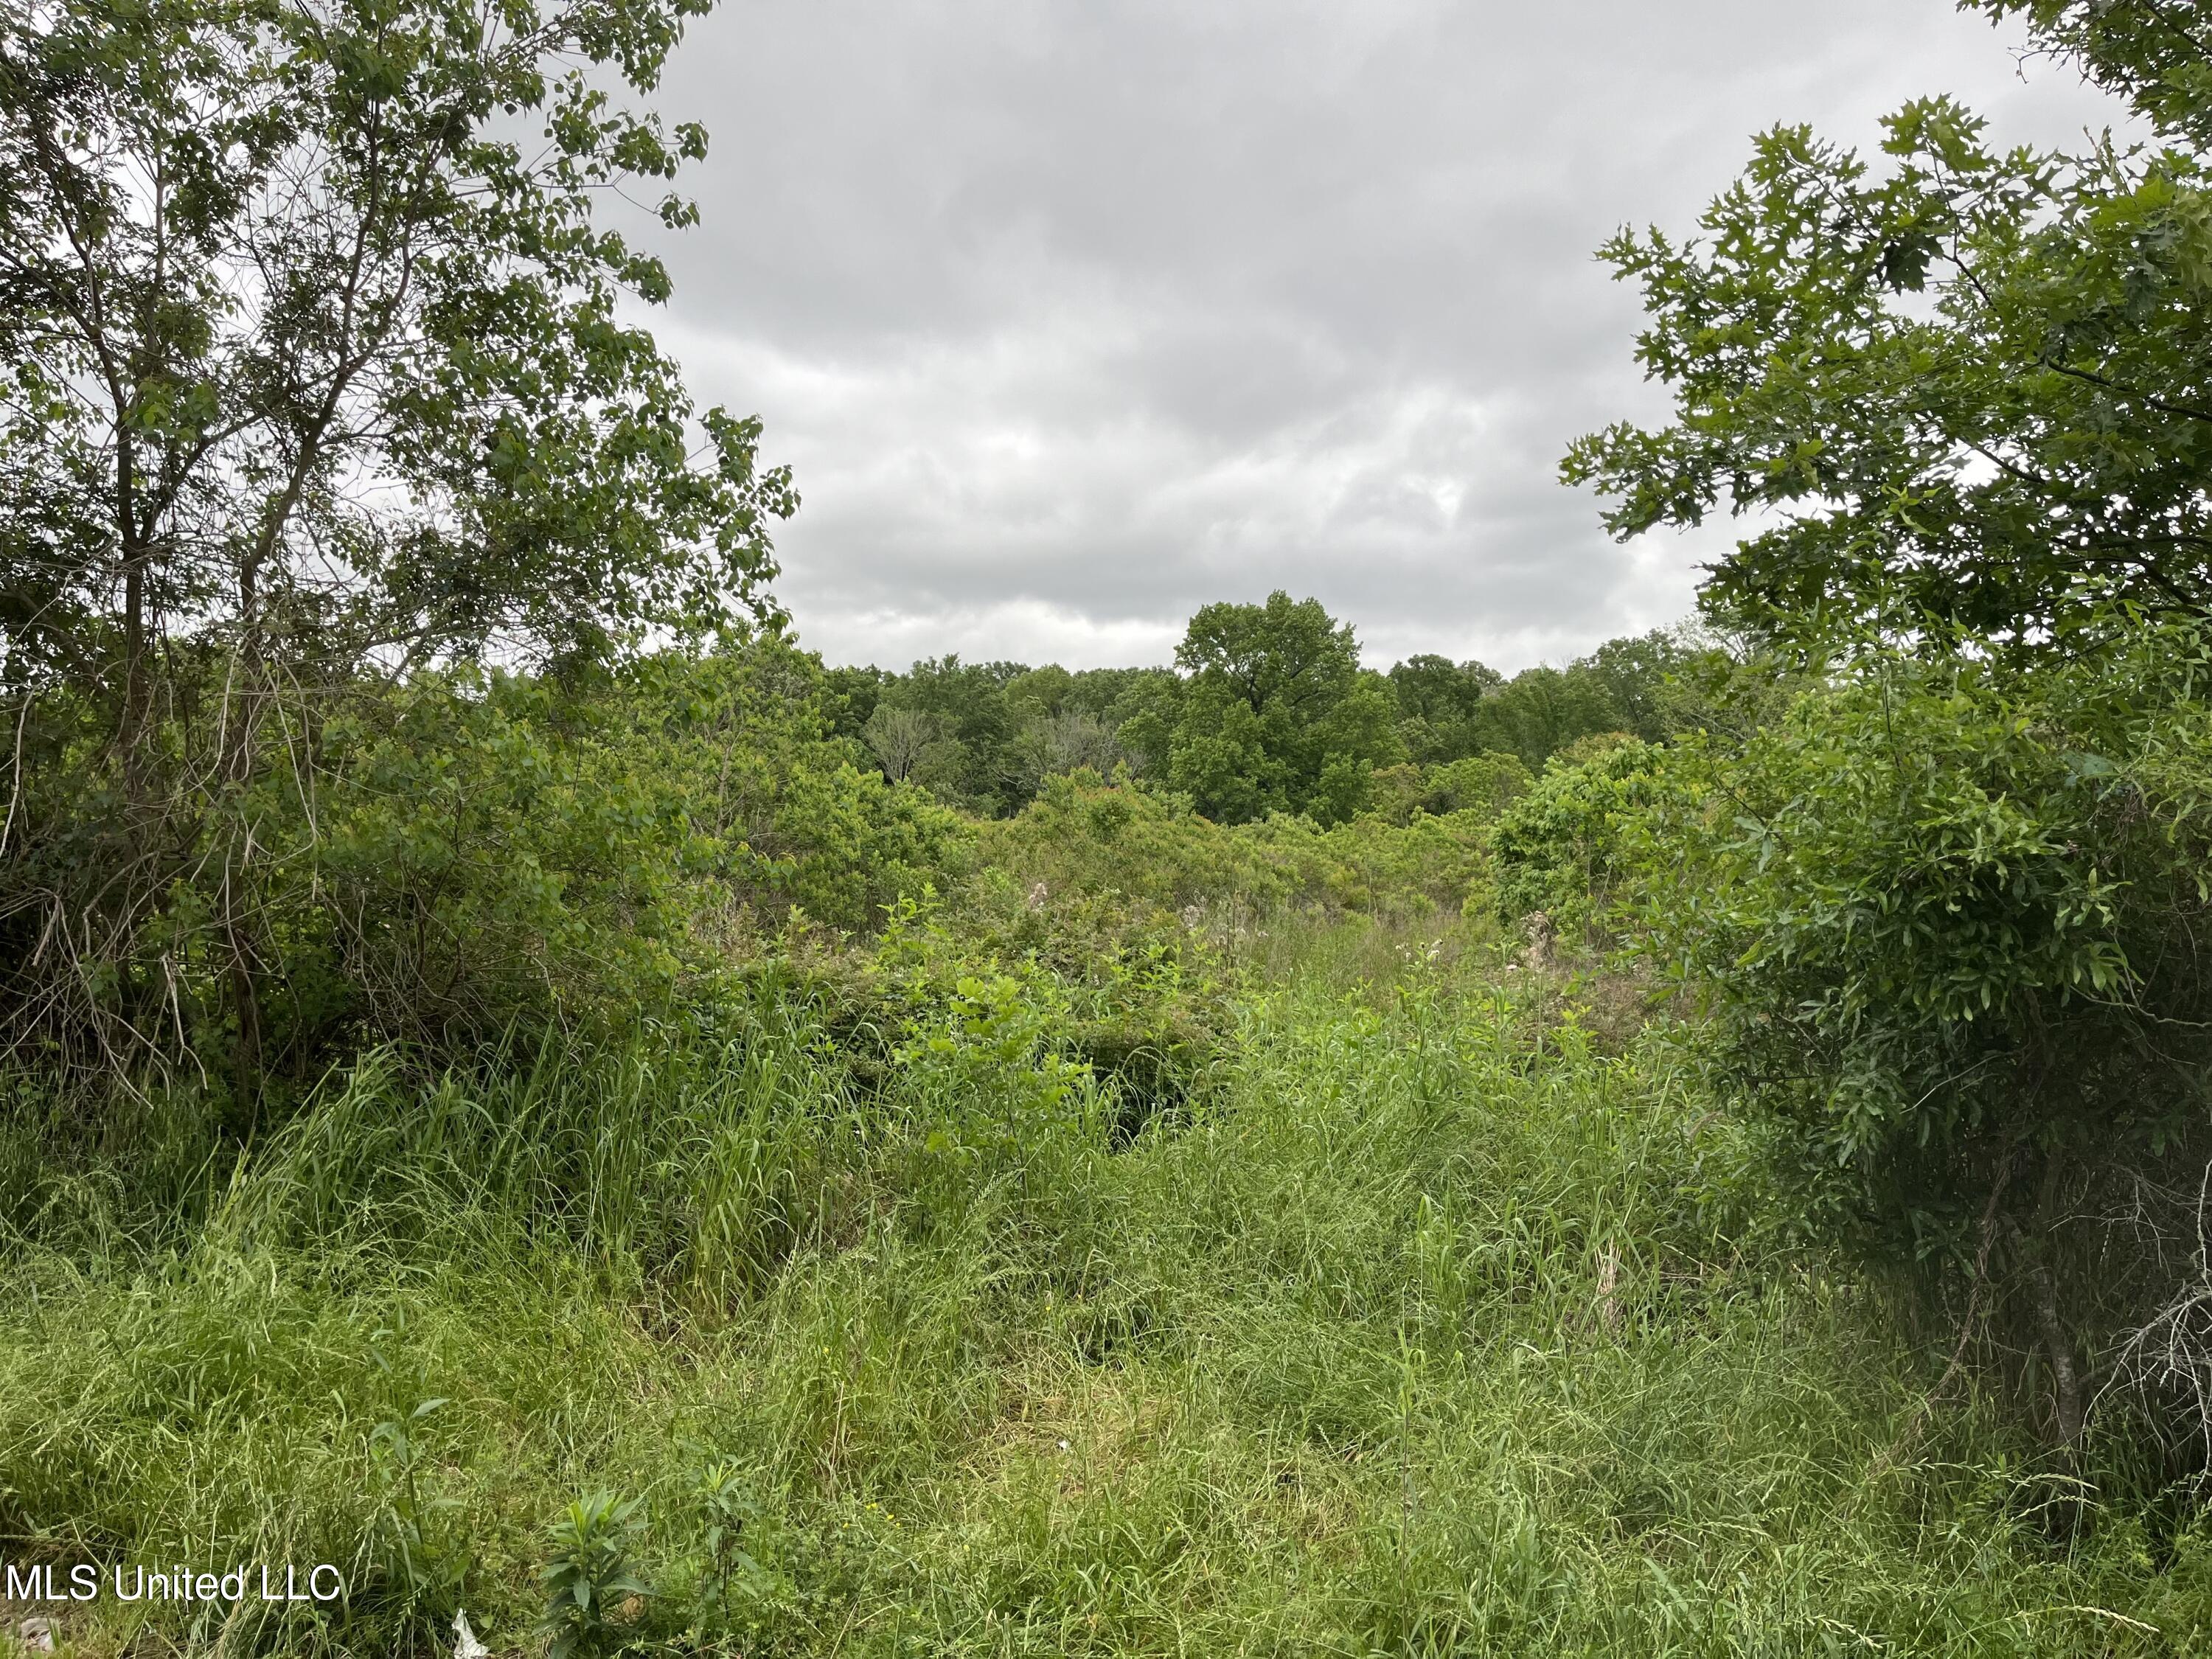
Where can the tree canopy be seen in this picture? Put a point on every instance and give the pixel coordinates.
(1972, 388)
(302, 342)
(1275, 713)
(313, 367)
(1944, 903)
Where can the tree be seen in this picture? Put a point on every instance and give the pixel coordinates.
(980, 765)
(2152, 52)
(1539, 711)
(1946, 909)
(1275, 714)
(905, 742)
(1070, 741)
(1437, 705)
(311, 369)
(851, 696)
(1112, 694)
(1639, 675)
(1043, 691)
(1973, 389)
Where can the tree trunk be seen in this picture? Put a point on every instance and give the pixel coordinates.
(2071, 1411)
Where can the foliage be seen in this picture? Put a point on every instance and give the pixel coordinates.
(1482, 784)
(733, 1520)
(601, 849)
(983, 1048)
(1563, 848)
(1633, 684)
(1486, 783)
(1968, 384)
(1277, 717)
(1100, 694)
(1649, 680)
(1438, 705)
(588, 1579)
(480, 850)
(849, 698)
(313, 364)
(1056, 1135)
(1948, 919)
(1135, 993)
(910, 747)
(963, 730)
(1943, 907)
(422, 1565)
(1274, 713)
(462, 854)
(436, 313)
(1436, 1326)
(1542, 710)
(2152, 52)
(1085, 834)
(984, 737)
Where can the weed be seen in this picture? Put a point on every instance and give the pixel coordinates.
(588, 1579)
(1409, 1339)
(393, 1452)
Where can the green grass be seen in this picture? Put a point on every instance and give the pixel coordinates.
(1420, 1333)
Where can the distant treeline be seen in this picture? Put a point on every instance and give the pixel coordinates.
(1267, 709)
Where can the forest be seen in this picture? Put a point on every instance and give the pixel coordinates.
(1268, 711)
(522, 1086)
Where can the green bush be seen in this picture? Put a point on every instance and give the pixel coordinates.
(464, 853)
(1949, 921)
(1085, 834)
(589, 1579)
(1485, 784)
(479, 851)
(486, 850)
(1562, 847)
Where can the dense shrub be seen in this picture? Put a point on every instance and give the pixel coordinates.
(1086, 834)
(442, 859)
(1484, 784)
(1949, 922)
(1561, 848)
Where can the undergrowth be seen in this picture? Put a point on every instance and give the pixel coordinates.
(1432, 1324)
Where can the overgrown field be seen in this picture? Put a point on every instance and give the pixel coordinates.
(1438, 1313)
(530, 1099)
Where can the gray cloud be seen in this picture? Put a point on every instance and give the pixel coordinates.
(1074, 316)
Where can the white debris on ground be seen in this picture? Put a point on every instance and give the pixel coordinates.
(466, 1646)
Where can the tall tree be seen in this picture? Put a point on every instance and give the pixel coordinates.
(1539, 711)
(1638, 673)
(1437, 704)
(1275, 714)
(980, 765)
(313, 364)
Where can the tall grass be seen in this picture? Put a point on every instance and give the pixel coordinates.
(1419, 1335)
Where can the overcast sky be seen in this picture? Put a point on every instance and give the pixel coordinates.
(1072, 315)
